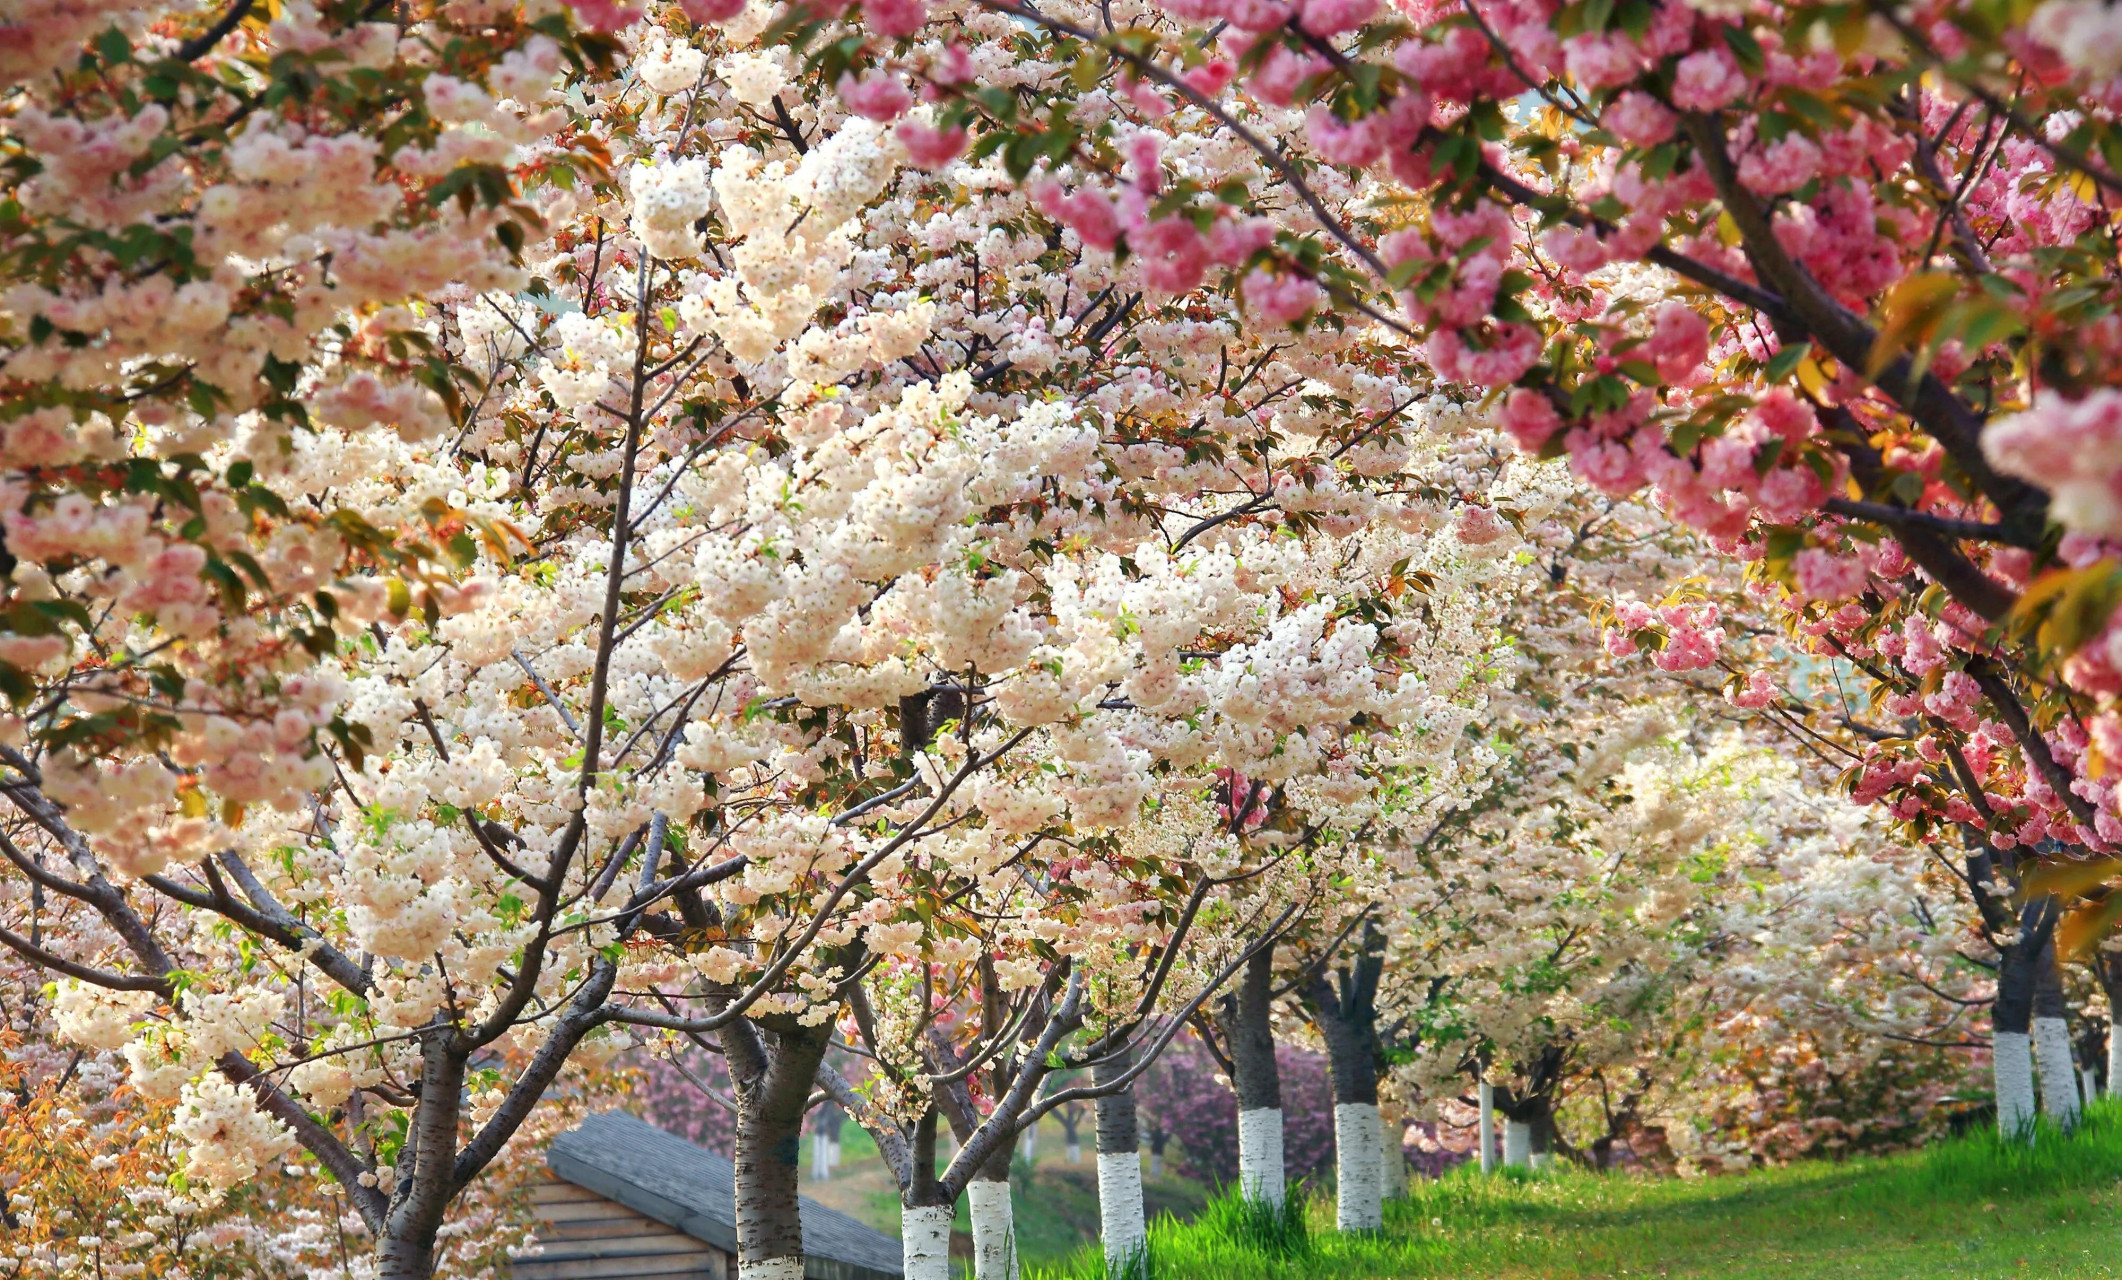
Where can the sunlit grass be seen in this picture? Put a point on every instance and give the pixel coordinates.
(1970, 1208)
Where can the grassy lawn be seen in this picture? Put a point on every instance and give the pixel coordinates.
(1056, 1199)
(1969, 1210)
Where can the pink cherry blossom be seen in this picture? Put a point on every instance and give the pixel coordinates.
(1088, 213)
(708, 12)
(1707, 80)
(1332, 17)
(876, 97)
(1355, 144)
(1174, 254)
(895, 19)
(1279, 300)
(1639, 119)
(1823, 575)
(928, 147)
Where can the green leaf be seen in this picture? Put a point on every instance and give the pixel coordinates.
(113, 47)
(1746, 49)
(1786, 361)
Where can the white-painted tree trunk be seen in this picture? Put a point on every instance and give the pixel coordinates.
(1537, 1159)
(2114, 1063)
(1028, 1144)
(1357, 1190)
(2088, 1083)
(821, 1156)
(1487, 1127)
(1392, 1157)
(792, 1268)
(2059, 1074)
(1120, 1221)
(994, 1231)
(1517, 1144)
(1260, 1164)
(924, 1238)
(1156, 1164)
(833, 1157)
(1075, 1151)
(2012, 1062)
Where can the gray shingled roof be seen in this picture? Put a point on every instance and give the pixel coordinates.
(686, 1186)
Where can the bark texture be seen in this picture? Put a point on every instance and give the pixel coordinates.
(1358, 1178)
(994, 1229)
(1392, 1152)
(2012, 1061)
(771, 1074)
(1344, 1006)
(924, 1236)
(1261, 1169)
(1120, 1218)
(1250, 1030)
(2108, 968)
(1517, 1144)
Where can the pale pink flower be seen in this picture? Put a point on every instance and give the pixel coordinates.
(1679, 342)
(711, 11)
(1601, 61)
(1231, 243)
(877, 97)
(1089, 214)
(1529, 417)
(1276, 301)
(1174, 254)
(1823, 575)
(1760, 691)
(1332, 17)
(1707, 80)
(1341, 142)
(928, 147)
(1576, 249)
(1784, 165)
(1639, 119)
(895, 19)
(1211, 77)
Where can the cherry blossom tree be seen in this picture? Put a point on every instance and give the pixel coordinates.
(1800, 272)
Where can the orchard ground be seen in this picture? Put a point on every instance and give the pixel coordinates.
(1969, 1209)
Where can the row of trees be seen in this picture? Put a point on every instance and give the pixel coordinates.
(982, 535)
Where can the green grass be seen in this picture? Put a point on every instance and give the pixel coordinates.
(1969, 1209)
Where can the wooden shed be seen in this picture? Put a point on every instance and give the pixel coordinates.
(627, 1199)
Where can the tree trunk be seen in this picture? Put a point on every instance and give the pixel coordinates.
(1257, 1079)
(1392, 1152)
(1119, 1169)
(426, 1163)
(771, 1074)
(1345, 1010)
(1544, 1134)
(994, 1218)
(2108, 968)
(2011, 1017)
(2051, 1037)
(1517, 1144)
(1486, 1126)
(924, 1213)
(821, 1146)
